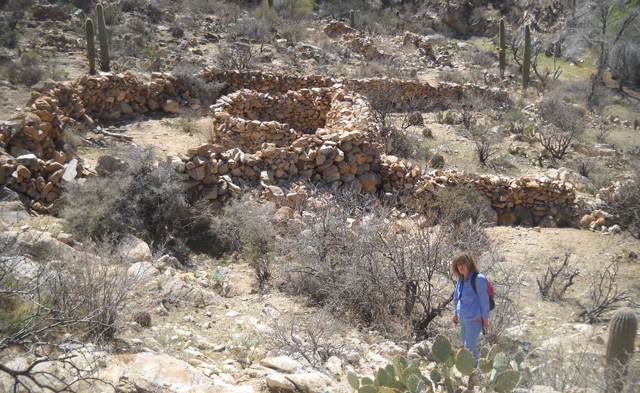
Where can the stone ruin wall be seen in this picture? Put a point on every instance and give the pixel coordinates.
(265, 132)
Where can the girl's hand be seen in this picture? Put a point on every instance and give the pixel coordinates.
(455, 319)
(485, 323)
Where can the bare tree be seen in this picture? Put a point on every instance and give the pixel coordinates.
(554, 283)
(602, 24)
(604, 294)
(565, 125)
(624, 60)
(484, 145)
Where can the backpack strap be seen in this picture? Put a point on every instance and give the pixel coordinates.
(473, 282)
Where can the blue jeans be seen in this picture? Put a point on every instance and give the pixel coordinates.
(469, 332)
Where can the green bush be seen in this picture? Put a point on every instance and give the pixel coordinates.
(246, 227)
(445, 117)
(294, 9)
(25, 73)
(146, 200)
(11, 38)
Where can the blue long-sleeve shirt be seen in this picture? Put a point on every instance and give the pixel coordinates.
(468, 305)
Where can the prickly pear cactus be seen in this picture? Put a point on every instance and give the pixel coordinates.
(401, 376)
(441, 348)
(465, 362)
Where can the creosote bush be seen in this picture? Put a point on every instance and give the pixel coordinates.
(69, 302)
(206, 92)
(246, 226)
(145, 199)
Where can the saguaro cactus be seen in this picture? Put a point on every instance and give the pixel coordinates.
(91, 54)
(352, 19)
(102, 35)
(620, 347)
(503, 44)
(270, 2)
(526, 61)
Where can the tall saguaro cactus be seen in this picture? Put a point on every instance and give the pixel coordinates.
(102, 35)
(526, 61)
(622, 334)
(91, 54)
(503, 44)
(352, 19)
(270, 2)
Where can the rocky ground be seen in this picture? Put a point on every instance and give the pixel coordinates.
(207, 320)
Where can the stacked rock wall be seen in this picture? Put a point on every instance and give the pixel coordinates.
(271, 127)
(407, 91)
(247, 118)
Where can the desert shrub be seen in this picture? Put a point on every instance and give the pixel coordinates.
(293, 32)
(246, 226)
(132, 5)
(71, 302)
(113, 14)
(340, 9)
(624, 205)
(605, 294)
(484, 145)
(452, 76)
(303, 336)
(445, 117)
(458, 205)
(146, 200)
(11, 38)
(25, 73)
(482, 58)
(555, 282)
(294, 9)
(378, 20)
(564, 367)
(253, 29)
(565, 125)
(244, 347)
(355, 259)
(236, 56)
(380, 68)
(142, 318)
(140, 26)
(399, 143)
(188, 77)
